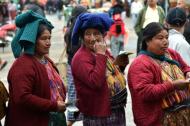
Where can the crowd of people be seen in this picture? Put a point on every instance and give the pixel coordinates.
(158, 78)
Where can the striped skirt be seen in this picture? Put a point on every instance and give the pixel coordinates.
(71, 95)
(178, 118)
(117, 118)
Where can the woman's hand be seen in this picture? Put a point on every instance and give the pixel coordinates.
(100, 47)
(187, 75)
(61, 107)
(181, 84)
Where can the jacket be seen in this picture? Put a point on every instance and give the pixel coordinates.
(29, 103)
(89, 72)
(141, 18)
(147, 88)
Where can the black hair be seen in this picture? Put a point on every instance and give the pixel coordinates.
(41, 29)
(176, 17)
(71, 50)
(71, 22)
(150, 31)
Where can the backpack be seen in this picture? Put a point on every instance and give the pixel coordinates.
(3, 99)
(117, 33)
(118, 27)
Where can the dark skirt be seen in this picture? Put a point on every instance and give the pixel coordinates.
(117, 118)
(177, 118)
(57, 119)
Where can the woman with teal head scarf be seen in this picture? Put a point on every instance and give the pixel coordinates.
(37, 92)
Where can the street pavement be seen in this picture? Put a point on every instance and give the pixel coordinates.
(57, 48)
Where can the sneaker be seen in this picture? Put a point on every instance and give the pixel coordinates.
(3, 64)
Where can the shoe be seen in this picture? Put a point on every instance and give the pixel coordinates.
(3, 64)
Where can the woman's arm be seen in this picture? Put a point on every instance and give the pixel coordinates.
(145, 81)
(183, 65)
(88, 72)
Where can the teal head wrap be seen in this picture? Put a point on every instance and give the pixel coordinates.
(25, 38)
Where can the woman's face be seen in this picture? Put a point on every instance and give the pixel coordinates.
(159, 43)
(152, 2)
(43, 43)
(91, 36)
(181, 4)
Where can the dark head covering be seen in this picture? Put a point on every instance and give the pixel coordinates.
(78, 10)
(25, 37)
(100, 21)
(75, 13)
(71, 50)
(176, 17)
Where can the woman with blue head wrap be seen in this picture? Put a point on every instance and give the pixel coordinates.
(100, 86)
(37, 92)
(72, 116)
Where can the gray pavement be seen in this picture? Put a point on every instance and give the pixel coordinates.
(57, 48)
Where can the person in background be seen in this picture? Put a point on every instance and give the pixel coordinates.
(127, 4)
(101, 88)
(185, 5)
(12, 7)
(107, 4)
(136, 7)
(117, 6)
(162, 3)
(34, 7)
(159, 82)
(172, 3)
(3, 63)
(71, 50)
(176, 20)
(36, 90)
(181, 3)
(150, 13)
(85, 3)
(59, 8)
(67, 12)
(117, 33)
(49, 6)
(4, 13)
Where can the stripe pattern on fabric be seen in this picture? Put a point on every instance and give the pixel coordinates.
(117, 118)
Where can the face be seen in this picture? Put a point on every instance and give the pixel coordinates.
(91, 36)
(159, 43)
(152, 2)
(181, 4)
(84, 3)
(43, 43)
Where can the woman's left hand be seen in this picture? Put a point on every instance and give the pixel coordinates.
(187, 75)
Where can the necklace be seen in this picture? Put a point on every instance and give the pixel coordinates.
(41, 60)
(163, 64)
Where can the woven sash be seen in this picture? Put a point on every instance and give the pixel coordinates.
(117, 85)
(171, 72)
